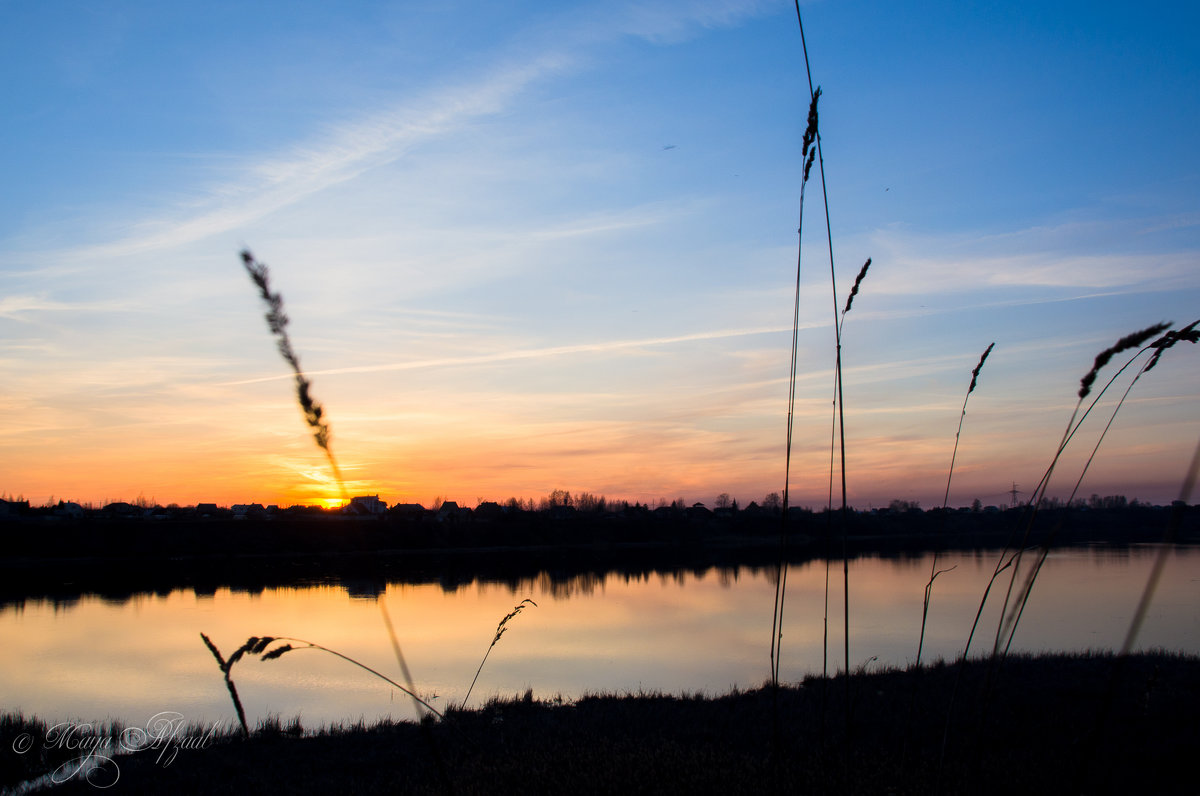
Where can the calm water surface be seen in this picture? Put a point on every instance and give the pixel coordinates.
(675, 632)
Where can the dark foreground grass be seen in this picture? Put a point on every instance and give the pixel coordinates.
(1050, 724)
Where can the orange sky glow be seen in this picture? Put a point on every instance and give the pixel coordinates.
(557, 249)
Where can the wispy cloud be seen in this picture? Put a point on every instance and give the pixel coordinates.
(601, 223)
(537, 353)
(343, 153)
(20, 307)
(1174, 222)
(377, 138)
(13, 307)
(1085, 255)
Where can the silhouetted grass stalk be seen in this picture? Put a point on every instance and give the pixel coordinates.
(820, 159)
(1012, 561)
(1100, 727)
(834, 425)
(500, 628)
(807, 152)
(933, 570)
(1188, 334)
(829, 528)
(408, 678)
(841, 407)
(1160, 561)
(1168, 340)
(277, 321)
(862, 272)
(1006, 561)
(418, 704)
(225, 666)
(258, 646)
(841, 411)
(1130, 341)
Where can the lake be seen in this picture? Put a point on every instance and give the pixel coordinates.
(685, 631)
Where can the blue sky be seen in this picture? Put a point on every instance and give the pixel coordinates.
(527, 248)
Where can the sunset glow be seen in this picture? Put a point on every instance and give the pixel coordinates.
(555, 248)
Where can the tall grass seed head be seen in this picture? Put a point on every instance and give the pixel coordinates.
(979, 367)
(810, 130)
(857, 281)
(1188, 333)
(1127, 342)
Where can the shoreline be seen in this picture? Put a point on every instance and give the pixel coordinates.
(1040, 724)
(367, 570)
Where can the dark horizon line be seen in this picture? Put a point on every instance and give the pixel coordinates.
(584, 503)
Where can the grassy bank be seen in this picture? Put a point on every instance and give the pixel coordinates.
(1048, 724)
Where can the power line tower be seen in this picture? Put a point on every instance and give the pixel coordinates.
(1014, 492)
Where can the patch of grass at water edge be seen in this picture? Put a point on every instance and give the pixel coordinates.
(1041, 732)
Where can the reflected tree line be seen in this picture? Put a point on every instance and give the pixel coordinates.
(562, 556)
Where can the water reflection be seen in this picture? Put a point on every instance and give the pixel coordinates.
(687, 628)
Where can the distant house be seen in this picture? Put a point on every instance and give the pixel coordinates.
(451, 511)
(753, 510)
(487, 511)
(69, 510)
(243, 511)
(408, 511)
(365, 505)
(207, 510)
(121, 510)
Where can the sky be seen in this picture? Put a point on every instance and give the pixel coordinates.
(529, 246)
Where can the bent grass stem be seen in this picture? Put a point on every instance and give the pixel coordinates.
(500, 628)
(258, 646)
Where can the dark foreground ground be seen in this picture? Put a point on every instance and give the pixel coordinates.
(1050, 724)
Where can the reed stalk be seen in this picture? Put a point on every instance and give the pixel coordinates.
(1188, 333)
(807, 153)
(1010, 618)
(1006, 561)
(1160, 561)
(408, 678)
(841, 411)
(500, 628)
(840, 323)
(277, 321)
(1134, 340)
(225, 666)
(818, 153)
(829, 529)
(1011, 555)
(261, 646)
(1100, 727)
(933, 570)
